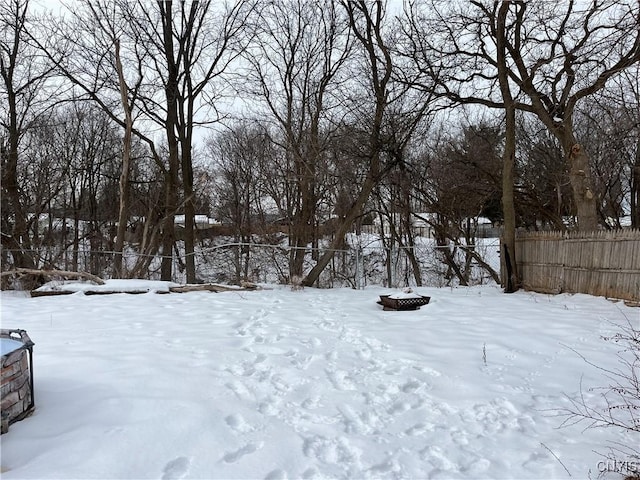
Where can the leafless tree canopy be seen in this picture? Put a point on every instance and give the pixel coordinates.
(296, 123)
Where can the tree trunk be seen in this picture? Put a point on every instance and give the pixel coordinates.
(168, 230)
(189, 210)
(509, 270)
(303, 228)
(406, 218)
(123, 212)
(148, 246)
(172, 93)
(415, 265)
(582, 187)
(441, 238)
(76, 241)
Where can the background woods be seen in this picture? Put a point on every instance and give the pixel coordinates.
(150, 139)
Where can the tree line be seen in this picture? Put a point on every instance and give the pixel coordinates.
(118, 115)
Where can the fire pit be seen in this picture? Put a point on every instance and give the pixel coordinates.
(403, 301)
(17, 376)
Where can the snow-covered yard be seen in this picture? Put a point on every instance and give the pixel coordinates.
(309, 384)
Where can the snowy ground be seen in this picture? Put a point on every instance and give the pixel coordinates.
(277, 384)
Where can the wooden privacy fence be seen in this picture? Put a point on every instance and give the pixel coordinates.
(603, 263)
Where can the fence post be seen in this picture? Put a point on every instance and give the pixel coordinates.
(565, 255)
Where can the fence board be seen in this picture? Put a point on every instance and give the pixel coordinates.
(598, 263)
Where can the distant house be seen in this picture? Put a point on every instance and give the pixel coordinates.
(487, 229)
(421, 225)
(202, 221)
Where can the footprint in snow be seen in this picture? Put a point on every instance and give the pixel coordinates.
(399, 407)
(238, 424)
(334, 451)
(331, 356)
(233, 457)
(340, 379)
(412, 385)
(241, 391)
(277, 475)
(388, 468)
(477, 467)
(176, 468)
(459, 437)
(311, 474)
(311, 403)
(258, 315)
(438, 459)
(419, 429)
(427, 370)
(302, 363)
(270, 407)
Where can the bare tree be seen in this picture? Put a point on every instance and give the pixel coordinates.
(509, 271)
(86, 48)
(395, 192)
(86, 142)
(375, 110)
(558, 54)
(197, 43)
(237, 155)
(171, 54)
(393, 198)
(123, 183)
(457, 177)
(42, 175)
(298, 59)
(24, 74)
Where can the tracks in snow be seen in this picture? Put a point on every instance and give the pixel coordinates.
(342, 397)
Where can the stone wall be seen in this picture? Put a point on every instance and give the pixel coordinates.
(17, 397)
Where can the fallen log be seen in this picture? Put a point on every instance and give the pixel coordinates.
(49, 293)
(52, 293)
(112, 292)
(207, 287)
(250, 286)
(54, 273)
(210, 287)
